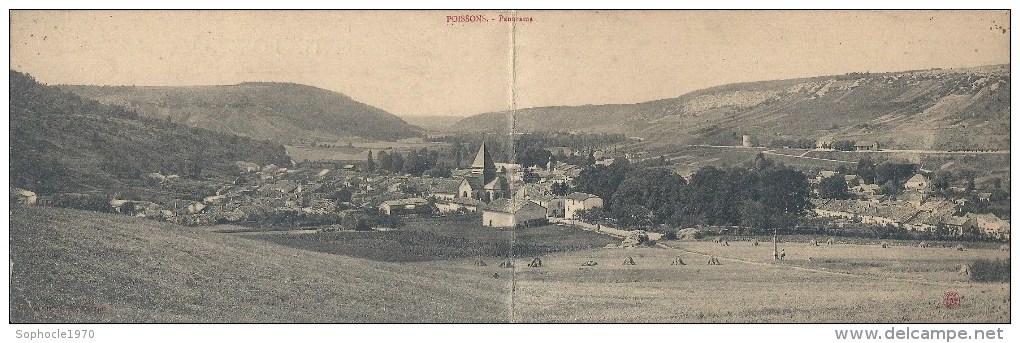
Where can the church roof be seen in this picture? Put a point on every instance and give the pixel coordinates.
(498, 183)
(474, 181)
(483, 159)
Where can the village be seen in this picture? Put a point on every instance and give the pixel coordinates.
(507, 195)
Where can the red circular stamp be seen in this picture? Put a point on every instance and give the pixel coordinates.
(951, 300)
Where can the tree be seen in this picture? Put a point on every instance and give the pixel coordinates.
(441, 170)
(560, 188)
(866, 169)
(898, 173)
(843, 145)
(601, 180)
(942, 180)
(530, 176)
(398, 162)
(891, 188)
(632, 215)
(762, 163)
(128, 208)
(370, 164)
(342, 195)
(593, 215)
(458, 154)
(385, 161)
(754, 215)
(833, 187)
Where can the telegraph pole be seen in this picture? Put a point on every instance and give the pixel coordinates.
(775, 244)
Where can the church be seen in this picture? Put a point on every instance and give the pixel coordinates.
(484, 184)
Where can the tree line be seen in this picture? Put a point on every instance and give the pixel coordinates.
(758, 195)
(416, 162)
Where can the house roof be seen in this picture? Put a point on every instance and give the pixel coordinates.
(864, 143)
(957, 221)
(510, 205)
(403, 202)
(286, 186)
(445, 186)
(465, 201)
(917, 178)
(579, 196)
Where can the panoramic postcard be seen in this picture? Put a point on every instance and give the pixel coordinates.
(481, 166)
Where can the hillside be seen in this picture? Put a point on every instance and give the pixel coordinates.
(145, 271)
(60, 142)
(930, 109)
(432, 123)
(283, 112)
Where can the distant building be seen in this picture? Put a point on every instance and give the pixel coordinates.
(578, 201)
(287, 187)
(988, 224)
(747, 141)
(445, 189)
(509, 213)
(555, 207)
(458, 204)
(918, 183)
(405, 206)
(561, 150)
(247, 167)
(825, 143)
(866, 146)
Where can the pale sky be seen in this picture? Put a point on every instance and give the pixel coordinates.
(415, 63)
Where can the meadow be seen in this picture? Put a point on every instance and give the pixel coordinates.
(143, 271)
(838, 284)
(422, 239)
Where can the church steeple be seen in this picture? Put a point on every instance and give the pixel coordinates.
(483, 164)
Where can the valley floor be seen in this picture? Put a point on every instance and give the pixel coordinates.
(143, 271)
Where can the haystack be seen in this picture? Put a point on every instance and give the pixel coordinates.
(629, 261)
(590, 263)
(713, 261)
(754, 242)
(830, 241)
(635, 238)
(959, 247)
(480, 263)
(885, 245)
(678, 262)
(506, 264)
(724, 243)
(923, 244)
(535, 262)
(1004, 247)
(688, 234)
(814, 242)
(965, 270)
(718, 240)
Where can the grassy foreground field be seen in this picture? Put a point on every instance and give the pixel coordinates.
(750, 291)
(144, 271)
(138, 270)
(423, 239)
